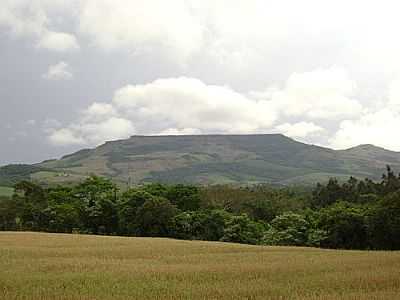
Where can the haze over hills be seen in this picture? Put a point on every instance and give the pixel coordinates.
(209, 159)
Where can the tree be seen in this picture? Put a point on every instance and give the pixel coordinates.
(241, 229)
(130, 202)
(200, 225)
(99, 198)
(156, 189)
(390, 183)
(154, 217)
(64, 217)
(102, 216)
(329, 194)
(94, 188)
(8, 214)
(215, 222)
(260, 209)
(185, 197)
(345, 224)
(288, 229)
(384, 223)
(32, 201)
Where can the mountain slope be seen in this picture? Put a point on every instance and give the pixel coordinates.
(209, 159)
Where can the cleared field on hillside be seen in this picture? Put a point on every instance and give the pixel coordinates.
(6, 191)
(59, 266)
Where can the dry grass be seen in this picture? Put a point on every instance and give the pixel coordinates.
(58, 266)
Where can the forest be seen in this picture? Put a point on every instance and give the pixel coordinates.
(356, 214)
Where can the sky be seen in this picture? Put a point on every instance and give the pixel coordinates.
(77, 73)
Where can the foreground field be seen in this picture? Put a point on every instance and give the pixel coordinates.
(59, 266)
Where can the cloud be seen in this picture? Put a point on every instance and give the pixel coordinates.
(379, 128)
(376, 125)
(99, 111)
(189, 103)
(65, 137)
(142, 26)
(299, 130)
(31, 122)
(240, 35)
(97, 124)
(243, 34)
(394, 95)
(58, 41)
(49, 126)
(189, 106)
(35, 19)
(92, 133)
(183, 131)
(168, 106)
(319, 94)
(59, 71)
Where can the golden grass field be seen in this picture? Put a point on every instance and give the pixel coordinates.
(61, 266)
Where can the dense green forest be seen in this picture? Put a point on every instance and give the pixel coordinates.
(357, 214)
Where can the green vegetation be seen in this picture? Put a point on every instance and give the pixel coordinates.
(44, 266)
(11, 174)
(210, 159)
(357, 214)
(6, 191)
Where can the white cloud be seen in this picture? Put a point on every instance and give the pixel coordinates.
(58, 41)
(320, 94)
(65, 137)
(189, 103)
(34, 19)
(299, 130)
(245, 33)
(189, 106)
(379, 128)
(142, 26)
(183, 131)
(377, 125)
(59, 71)
(92, 133)
(394, 95)
(241, 34)
(99, 111)
(169, 106)
(50, 125)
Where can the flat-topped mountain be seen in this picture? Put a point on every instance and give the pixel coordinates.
(210, 159)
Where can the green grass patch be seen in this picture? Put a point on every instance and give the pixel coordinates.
(6, 191)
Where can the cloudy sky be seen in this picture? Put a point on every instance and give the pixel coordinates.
(75, 73)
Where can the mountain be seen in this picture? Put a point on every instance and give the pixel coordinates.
(209, 159)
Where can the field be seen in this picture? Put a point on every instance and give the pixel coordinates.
(6, 191)
(60, 266)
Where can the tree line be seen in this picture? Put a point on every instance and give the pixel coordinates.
(357, 214)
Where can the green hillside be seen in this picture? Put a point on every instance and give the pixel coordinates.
(6, 191)
(11, 174)
(210, 159)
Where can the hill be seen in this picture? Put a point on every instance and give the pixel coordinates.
(210, 159)
(60, 266)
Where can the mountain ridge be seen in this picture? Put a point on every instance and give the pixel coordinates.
(215, 159)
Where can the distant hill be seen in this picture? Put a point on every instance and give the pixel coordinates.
(211, 159)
